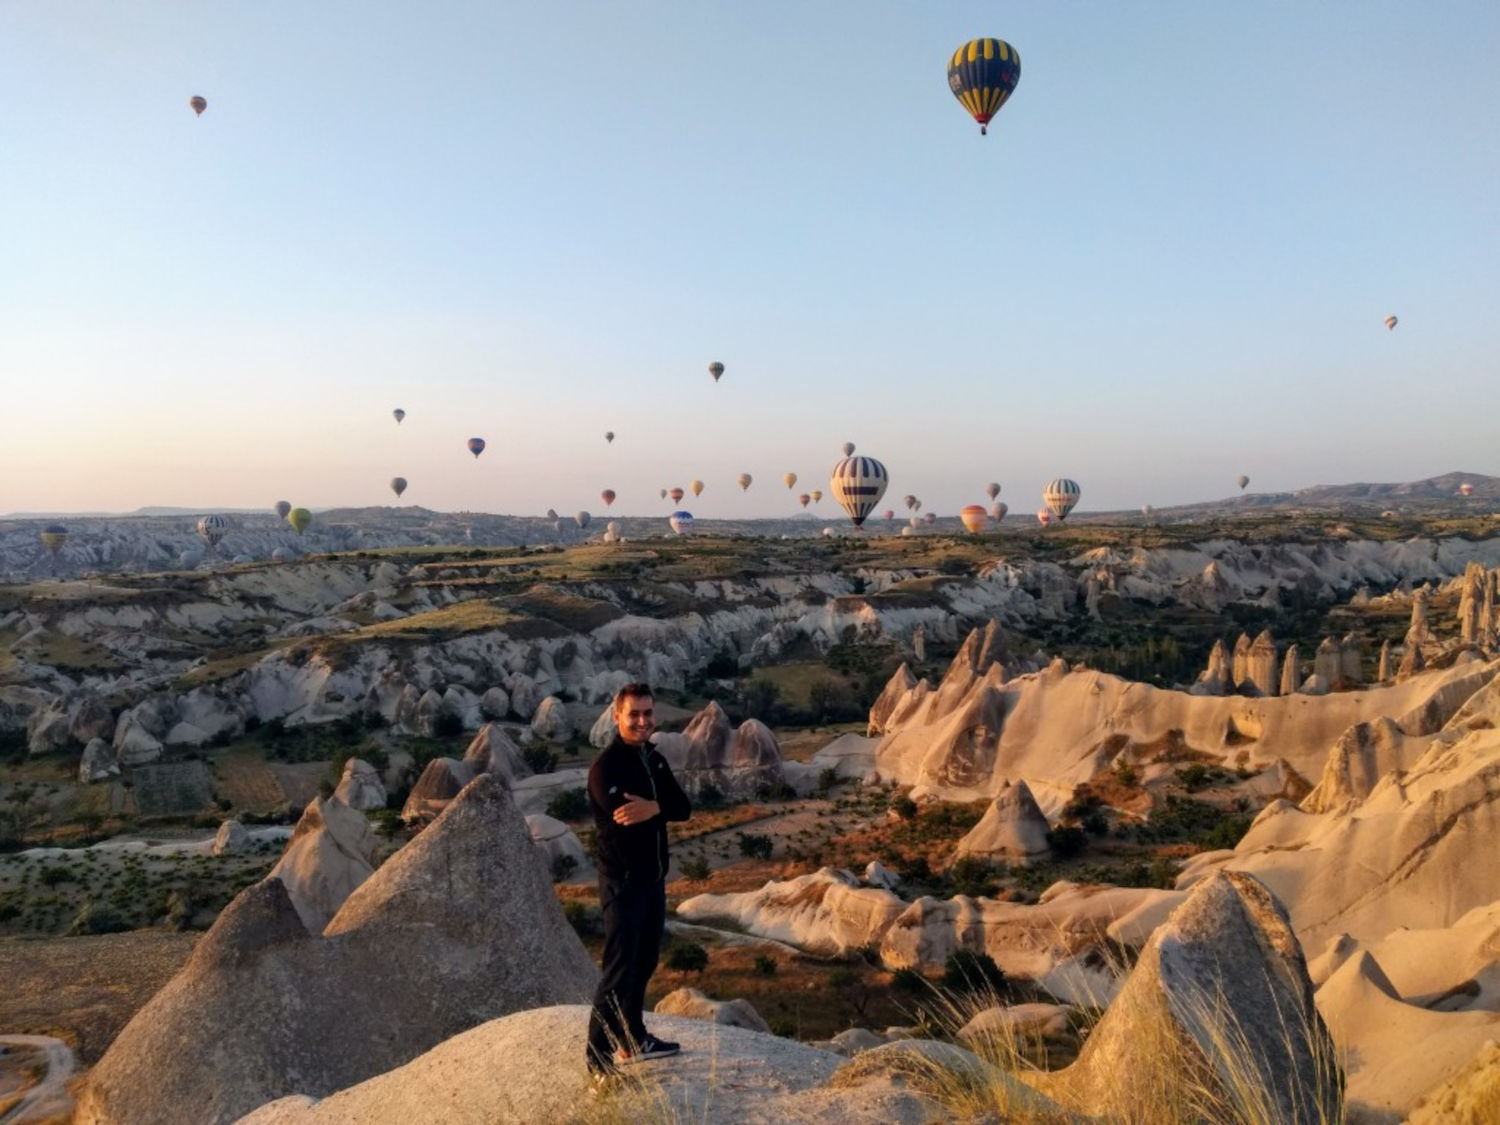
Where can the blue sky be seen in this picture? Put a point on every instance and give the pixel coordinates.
(1166, 265)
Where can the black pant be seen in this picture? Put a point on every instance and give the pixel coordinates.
(635, 914)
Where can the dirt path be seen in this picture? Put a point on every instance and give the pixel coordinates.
(46, 1098)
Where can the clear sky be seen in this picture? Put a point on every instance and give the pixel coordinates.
(1167, 264)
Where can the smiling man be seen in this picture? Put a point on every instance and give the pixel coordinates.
(633, 794)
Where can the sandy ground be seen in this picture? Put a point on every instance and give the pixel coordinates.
(34, 1074)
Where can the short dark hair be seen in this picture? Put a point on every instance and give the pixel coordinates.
(638, 688)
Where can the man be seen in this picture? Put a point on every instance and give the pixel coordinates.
(633, 794)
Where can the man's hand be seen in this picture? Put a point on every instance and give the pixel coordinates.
(636, 810)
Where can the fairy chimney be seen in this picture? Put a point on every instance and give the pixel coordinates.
(1291, 672)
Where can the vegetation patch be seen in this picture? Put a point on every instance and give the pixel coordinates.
(570, 611)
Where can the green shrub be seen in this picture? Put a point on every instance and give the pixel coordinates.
(570, 804)
(755, 846)
(687, 957)
(765, 966)
(586, 920)
(710, 797)
(539, 758)
(1066, 841)
(52, 876)
(562, 867)
(904, 807)
(95, 919)
(909, 980)
(694, 867)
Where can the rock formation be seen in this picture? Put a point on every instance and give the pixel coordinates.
(710, 751)
(1418, 632)
(1383, 664)
(1291, 672)
(442, 779)
(1013, 829)
(1412, 662)
(495, 752)
(459, 927)
(896, 688)
(827, 912)
(551, 722)
(556, 842)
(1220, 998)
(231, 837)
(1217, 678)
(693, 1004)
(360, 786)
(99, 762)
(331, 852)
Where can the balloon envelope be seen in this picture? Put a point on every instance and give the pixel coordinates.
(398, 414)
(582, 519)
(682, 522)
(848, 449)
(476, 445)
(789, 479)
(973, 517)
(858, 483)
(804, 499)
(1242, 481)
(282, 508)
(212, 528)
(676, 494)
(53, 536)
(398, 486)
(716, 369)
(744, 480)
(1391, 322)
(299, 518)
(1044, 516)
(982, 75)
(609, 436)
(1060, 496)
(199, 104)
(816, 495)
(608, 496)
(697, 487)
(998, 510)
(992, 490)
(909, 501)
(1466, 489)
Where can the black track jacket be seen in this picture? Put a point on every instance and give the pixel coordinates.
(635, 852)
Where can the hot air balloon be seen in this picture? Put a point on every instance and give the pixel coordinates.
(816, 495)
(696, 486)
(992, 490)
(282, 508)
(664, 494)
(53, 536)
(1146, 510)
(828, 533)
(909, 501)
(613, 527)
(917, 507)
(998, 510)
(1390, 322)
(982, 74)
(744, 481)
(789, 479)
(848, 449)
(551, 513)
(676, 494)
(608, 496)
(888, 515)
(1060, 496)
(476, 446)
(804, 499)
(609, 436)
(1044, 517)
(858, 483)
(199, 104)
(716, 369)
(930, 518)
(1242, 480)
(299, 518)
(914, 522)
(398, 486)
(908, 531)
(973, 517)
(682, 522)
(211, 529)
(398, 414)
(582, 519)
(1466, 489)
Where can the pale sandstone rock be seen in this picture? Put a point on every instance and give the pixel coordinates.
(603, 732)
(1470, 1096)
(494, 703)
(1015, 1022)
(231, 837)
(826, 912)
(1291, 672)
(442, 779)
(494, 751)
(695, 1005)
(1012, 830)
(901, 682)
(331, 852)
(360, 786)
(554, 840)
(100, 761)
(551, 722)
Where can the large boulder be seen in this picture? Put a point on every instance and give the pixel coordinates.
(1220, 1007)
(100, 762)
(695, 1005)
(459, 927)
(360, 786)
(551, 722)
(494, 751)
(230, 838)
(442, 779)
(826, 912)
(331, 852)
(1013, 829)
(556, 843)
(49, 729)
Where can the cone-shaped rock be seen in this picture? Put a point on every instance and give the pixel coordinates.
(1012, 829)
(331, 852)
(459, 927)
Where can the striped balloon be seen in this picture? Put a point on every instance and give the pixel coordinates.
(982, 74)
(973, 517)
(682, 522)
(54, 535)
(1060, 495)
(213, 528)
(476, 446)
(858, 483)
(998, 510)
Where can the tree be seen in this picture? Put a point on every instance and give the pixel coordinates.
(687, 957)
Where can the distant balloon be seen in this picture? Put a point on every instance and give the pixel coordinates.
(676, 494)
(199, 104)
(744, 480)
(888, 515)
(1242, 480)
(211, 529)
(299, 518)
(973, 517)
(816, 495)
(982, 75)
(398, 414)
(551, 513)
(1044, 517)
(930, 518)
(282, 508)
(1146, 510)
(1466, 489)
(909, 501)
(613, 527)
(1060, 496)
(716, 369)
(476, 446)
(848, 449)
(1391, 322)
(914, 522)
(828, 533)
(398, 486)
(998, 510)
(664, 494)
(582, 519)
(696, 486)
(992, 490)
(908, 531)
(608, 496)
(789, 479)
(804, 499)
(917, 507)
(53, 536)
(609, 436)
(682, 522)
(857, 484)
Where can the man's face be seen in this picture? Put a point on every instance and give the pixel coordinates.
(635, 715)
